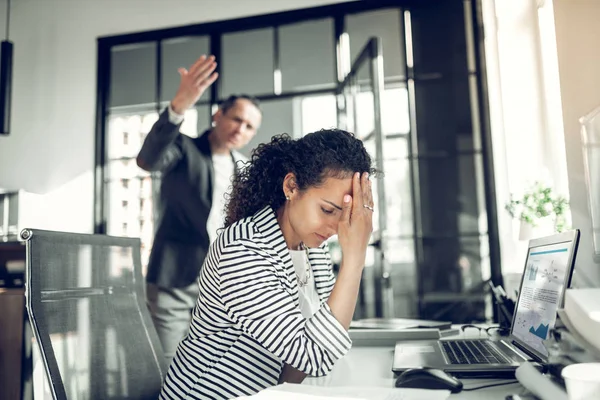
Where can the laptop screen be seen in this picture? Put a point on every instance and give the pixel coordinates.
(542, 289)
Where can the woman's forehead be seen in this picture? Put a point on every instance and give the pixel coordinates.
(334, 186)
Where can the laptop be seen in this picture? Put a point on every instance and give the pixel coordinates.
(546, 276)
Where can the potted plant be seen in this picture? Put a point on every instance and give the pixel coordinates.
(540, 211)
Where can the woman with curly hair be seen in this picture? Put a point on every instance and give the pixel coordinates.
(270, 309)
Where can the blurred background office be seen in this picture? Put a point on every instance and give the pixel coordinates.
(462, 102)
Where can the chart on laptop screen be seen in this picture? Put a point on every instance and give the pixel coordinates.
(540, 294)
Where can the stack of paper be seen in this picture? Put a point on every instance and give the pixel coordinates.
(290, 391)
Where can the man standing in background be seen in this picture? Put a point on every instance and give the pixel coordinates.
(196, 173)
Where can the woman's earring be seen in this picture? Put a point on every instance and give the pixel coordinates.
(287, 198)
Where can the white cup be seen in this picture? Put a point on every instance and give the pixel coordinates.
(583, 381)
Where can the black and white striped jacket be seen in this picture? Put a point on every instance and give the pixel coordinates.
(247, 320)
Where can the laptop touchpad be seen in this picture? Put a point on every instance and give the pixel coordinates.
(407, 349)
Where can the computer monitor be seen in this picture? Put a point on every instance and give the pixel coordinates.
(547, 274)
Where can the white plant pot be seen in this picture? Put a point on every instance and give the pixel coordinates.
(544, 227)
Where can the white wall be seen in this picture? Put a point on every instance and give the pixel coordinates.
(578, 44)
(51, 146)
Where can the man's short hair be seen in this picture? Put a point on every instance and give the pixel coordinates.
(230, 101)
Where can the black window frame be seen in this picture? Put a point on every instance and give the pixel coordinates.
(214, 30)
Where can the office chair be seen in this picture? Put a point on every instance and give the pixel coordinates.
(85, 300)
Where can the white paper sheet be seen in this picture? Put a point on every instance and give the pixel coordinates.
(290, 391)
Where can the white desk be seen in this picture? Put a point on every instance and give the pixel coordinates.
(372, 366)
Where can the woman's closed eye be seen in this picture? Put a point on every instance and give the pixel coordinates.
(327, 211)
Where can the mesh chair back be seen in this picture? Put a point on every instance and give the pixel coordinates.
(85, 298)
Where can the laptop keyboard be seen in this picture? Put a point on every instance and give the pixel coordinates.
(472, 352)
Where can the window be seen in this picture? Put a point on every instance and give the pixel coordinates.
(318, 112)
(131, 202)
(429, 112)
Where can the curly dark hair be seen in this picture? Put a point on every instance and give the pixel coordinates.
(328, 153)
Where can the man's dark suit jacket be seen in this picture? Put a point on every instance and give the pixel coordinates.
(181, 241)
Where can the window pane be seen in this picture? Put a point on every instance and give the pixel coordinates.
(398, 189)
(128, 188)
(395, 116)
(124, 170)
(444, 117)
(401, 251)
(133, 75)
(130, 211)
(178, 53)
(307, 53)
(124, 208)
(189, 126)
(278, 117)
(318, 112)
(450, 198)
(126, 134)
(403, 276)
(384, 24)
(439, 42)
(247, 64)
(203, 118)
(364, 114)
(397, 192)
(451, 275)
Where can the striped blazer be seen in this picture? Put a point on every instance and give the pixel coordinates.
(247, 320)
